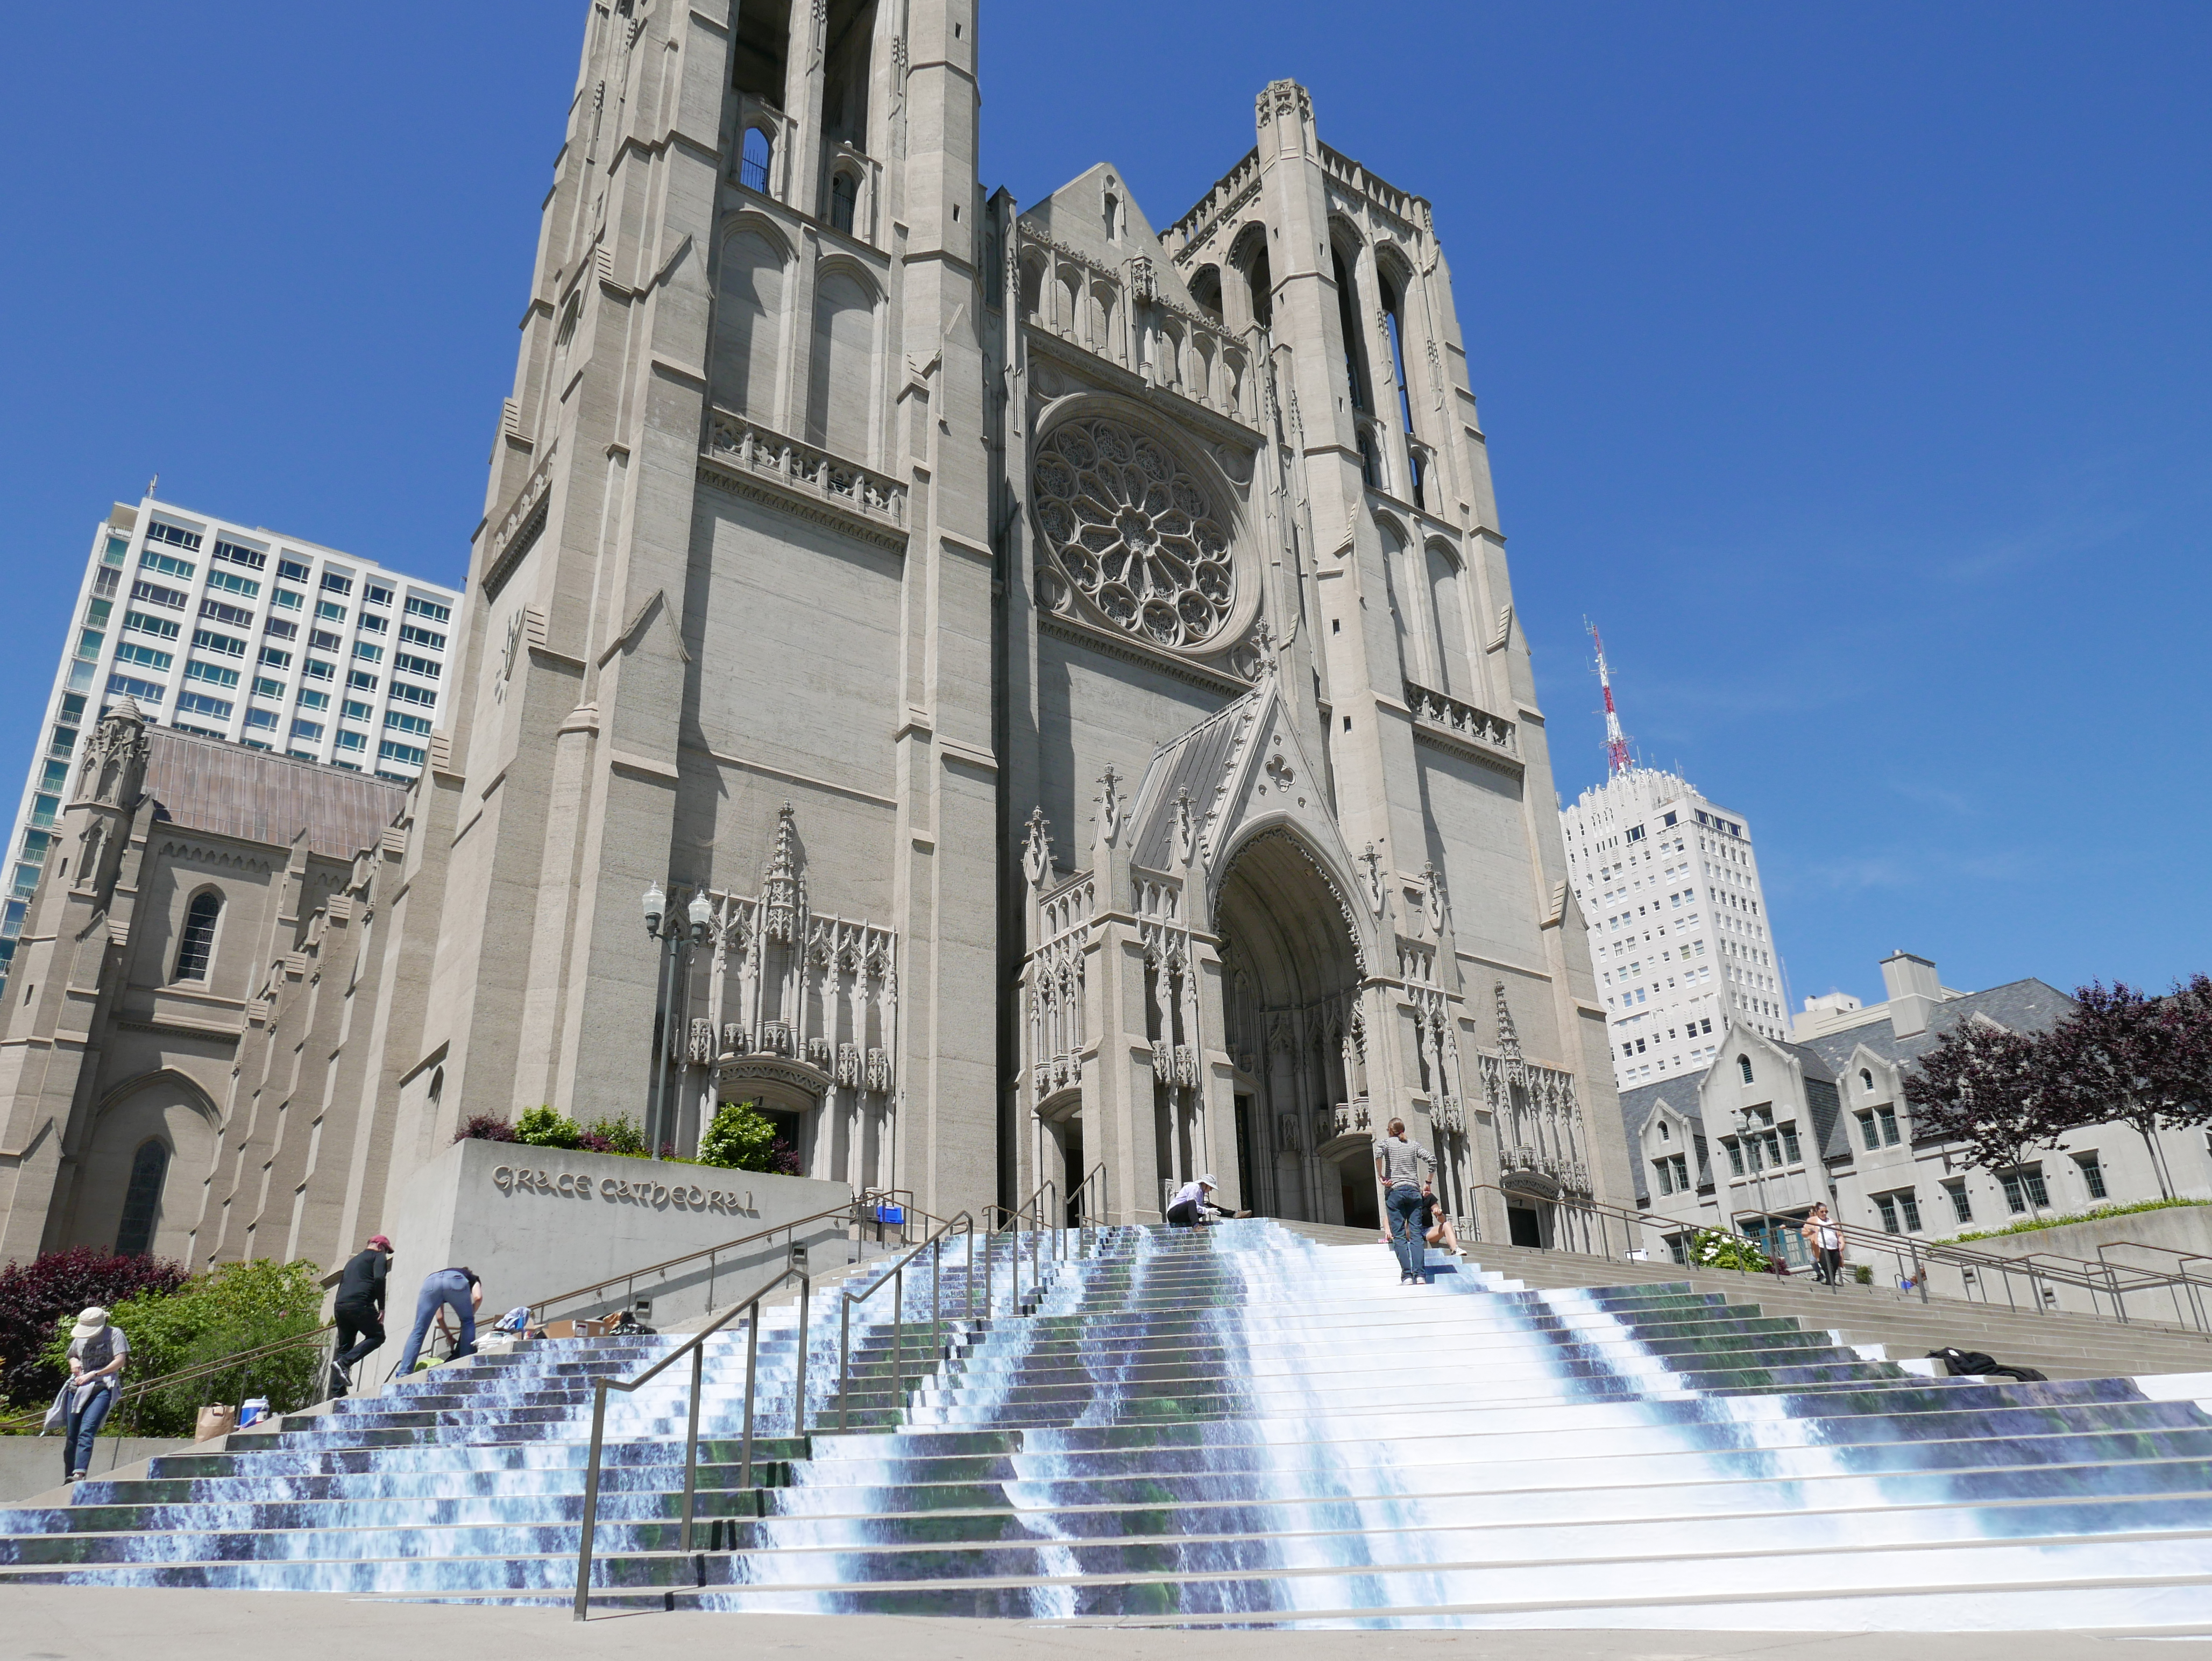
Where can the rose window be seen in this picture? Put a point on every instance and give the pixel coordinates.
(1135, 533)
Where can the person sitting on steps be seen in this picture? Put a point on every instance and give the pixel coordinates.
(1436, 1222)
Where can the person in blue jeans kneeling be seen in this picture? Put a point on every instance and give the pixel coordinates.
(1400, 1165)
(457, 1290)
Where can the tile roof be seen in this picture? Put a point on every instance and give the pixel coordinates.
(228, 790)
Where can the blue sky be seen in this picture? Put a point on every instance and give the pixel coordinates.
(1849, 366)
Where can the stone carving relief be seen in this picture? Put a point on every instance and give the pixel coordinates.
(1133, 535)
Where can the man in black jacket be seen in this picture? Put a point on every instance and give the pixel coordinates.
(360, 1311)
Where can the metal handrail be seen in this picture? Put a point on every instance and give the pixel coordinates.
(850, 1210)
(139, 1388)
(894, 1277)
(2098, 1280)
(697, 1350)
(1094, 1181)
(1035, 1210)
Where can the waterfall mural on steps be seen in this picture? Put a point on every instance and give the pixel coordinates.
(1238, 1426)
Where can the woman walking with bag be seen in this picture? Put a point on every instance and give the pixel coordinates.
(96, 1354)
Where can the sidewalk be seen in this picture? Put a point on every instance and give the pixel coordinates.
(71, 1623)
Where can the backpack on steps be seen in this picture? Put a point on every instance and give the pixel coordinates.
(1961, 1362)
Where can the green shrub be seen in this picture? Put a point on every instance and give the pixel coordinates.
(739, 1139)
(234, 1308)
(1862, 1273)
(2091, 1215)
(541, 1127)
(615, 1136)
(1715, 1249)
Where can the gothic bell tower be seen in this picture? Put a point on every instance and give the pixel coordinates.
(734, 555)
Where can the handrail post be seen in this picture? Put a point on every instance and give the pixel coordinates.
(806, 1313)
(844, 1357)
(1919, 1272)
(898, 1330)
(969, 1235)
(936, 1282)
(691, 1444)
(590, 1501)
(752, 1373)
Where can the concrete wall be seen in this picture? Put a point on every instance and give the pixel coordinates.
(536, 1221)
(31, 1465)
(2181, 1228)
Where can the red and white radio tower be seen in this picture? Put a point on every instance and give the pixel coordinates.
(1616, 741)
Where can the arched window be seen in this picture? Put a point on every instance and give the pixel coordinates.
(1249, 256)
(1355, 348)
(1112, 217)
(1206, 291)
(142, 1201)
(1866, 1081)
(1448, 608)
(841, 389)
(1743, 1066)
(196, 946)
(753, 166)
(844, 197)
(749, 331)
(1370, 458)
(1393, 312)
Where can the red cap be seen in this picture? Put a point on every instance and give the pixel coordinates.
(379, 1242)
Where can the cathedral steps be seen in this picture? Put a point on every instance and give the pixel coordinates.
(1235, 1426)
(2062, 1343)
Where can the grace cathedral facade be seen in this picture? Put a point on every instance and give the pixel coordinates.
(1073, 661)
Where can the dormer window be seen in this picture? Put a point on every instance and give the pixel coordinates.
(1866, 1081)
(1666, 1131)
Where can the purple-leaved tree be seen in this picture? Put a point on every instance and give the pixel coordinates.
(2126, 1057)
(1982, 1085)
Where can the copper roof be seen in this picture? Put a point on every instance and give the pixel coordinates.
(228, 790)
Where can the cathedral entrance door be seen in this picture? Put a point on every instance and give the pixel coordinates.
(1291, 1016)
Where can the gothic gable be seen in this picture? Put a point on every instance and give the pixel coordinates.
(1238, 775)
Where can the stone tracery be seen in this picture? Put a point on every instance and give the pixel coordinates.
(1135, 533)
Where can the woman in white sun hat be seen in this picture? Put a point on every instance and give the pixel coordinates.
(96, 1354)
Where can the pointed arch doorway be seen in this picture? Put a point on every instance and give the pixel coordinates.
(1296, 1036)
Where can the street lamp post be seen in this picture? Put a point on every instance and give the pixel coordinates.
(679, 939)
(1746, 1128)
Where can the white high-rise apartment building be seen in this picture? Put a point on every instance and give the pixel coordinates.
(237, 633)
(1669, 884)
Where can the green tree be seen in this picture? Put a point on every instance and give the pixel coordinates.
(233, 1309)
(740, 1138)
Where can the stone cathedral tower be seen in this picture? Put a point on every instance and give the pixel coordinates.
(1067, 671)
(1290, 862)
(730, 611)
(1075, 664)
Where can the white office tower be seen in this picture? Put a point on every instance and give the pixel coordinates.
(236, 632)
(1669, 884)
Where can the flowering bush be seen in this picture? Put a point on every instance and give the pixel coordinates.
(35, 1295)
(1715, 1249)
(486, 1128)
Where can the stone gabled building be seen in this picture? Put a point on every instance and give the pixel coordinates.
(192, 882)
(1750, 1142)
